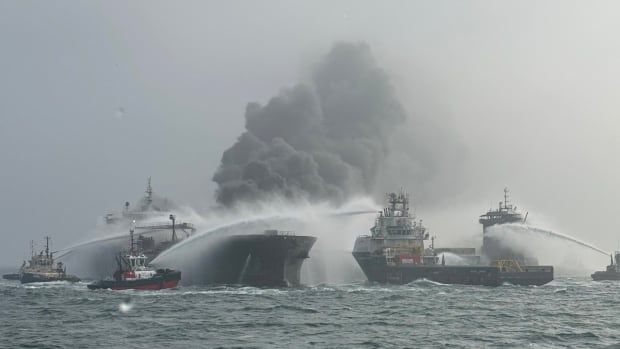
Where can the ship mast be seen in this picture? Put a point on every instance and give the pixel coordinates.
(47, 246)
(174, 234)
(131, 230)
(149, 192)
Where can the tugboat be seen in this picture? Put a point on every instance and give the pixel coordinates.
(41, 268)
(611, 273)
(134, 273)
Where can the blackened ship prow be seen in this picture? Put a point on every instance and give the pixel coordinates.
(269, 259)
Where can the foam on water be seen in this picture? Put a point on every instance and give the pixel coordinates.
(570, 256)
(569, 312)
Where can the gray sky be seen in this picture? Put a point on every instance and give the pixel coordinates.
(96, 96)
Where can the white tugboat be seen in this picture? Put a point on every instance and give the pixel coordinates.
(41, 268)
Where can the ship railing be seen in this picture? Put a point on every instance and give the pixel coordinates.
(166, 225)
(507, 265)
(279, 232)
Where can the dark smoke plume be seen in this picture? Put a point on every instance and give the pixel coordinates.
(326, 140)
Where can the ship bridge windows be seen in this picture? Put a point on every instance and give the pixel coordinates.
(401, 232)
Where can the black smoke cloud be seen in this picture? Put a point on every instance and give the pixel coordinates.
(325, 140)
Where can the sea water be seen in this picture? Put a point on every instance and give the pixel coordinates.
(568, 312)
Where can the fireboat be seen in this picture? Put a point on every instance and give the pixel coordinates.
(611, 273)
(134, 273)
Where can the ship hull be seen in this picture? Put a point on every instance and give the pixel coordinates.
(27, 278)
(169, 279)
(11, 276)
(530, 276)
(376, 270)
(254, 259)
(605, 275)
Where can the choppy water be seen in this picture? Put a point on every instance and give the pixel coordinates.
(566, 313)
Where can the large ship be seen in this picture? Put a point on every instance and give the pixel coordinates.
(155, 226)
(259, 257)
(271, 258)
(611, 273)
(41, 268)
(395, 252)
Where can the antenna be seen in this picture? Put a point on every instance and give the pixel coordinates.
(505, 197)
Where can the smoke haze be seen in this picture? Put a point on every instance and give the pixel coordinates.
(97, 96)
(327, 139)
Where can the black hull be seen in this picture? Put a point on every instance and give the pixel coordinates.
(605, 275)
(27, 278)
(376, 270)
(255, 260)
(162, 280)
(531, 276)
(10, 276)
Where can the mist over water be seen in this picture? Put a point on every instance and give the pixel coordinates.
(310, 161)
(336, 228)
(330, 258)
(569, 255)
(451, 259)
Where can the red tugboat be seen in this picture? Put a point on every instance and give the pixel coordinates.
(134, 273)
